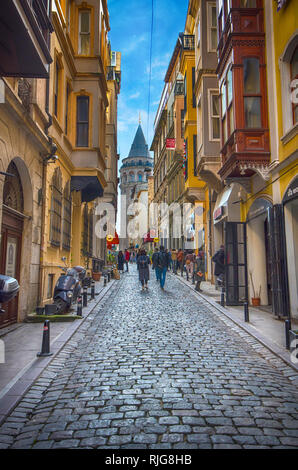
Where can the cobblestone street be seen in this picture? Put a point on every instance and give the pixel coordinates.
(158, 370)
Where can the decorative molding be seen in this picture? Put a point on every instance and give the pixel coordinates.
(263, 170)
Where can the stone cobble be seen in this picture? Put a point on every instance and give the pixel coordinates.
(159, 370)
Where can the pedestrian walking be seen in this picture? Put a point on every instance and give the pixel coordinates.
(180, 261)
(174, 261)
(169, 258)
(138, 254)
(163, 263)
(189, 263)
(126, 258)
(155, 263)
(120, 261)
(143, 267)
(219, 270)
(199, 270)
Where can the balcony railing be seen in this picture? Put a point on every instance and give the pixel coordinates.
(112, 74)
(188, 42)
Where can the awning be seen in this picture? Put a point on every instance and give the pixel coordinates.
(89, 185)
(221, 203)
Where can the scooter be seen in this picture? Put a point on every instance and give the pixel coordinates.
(68, 288)
(9, 287)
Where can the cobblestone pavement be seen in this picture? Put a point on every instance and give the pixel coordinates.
(158, 370)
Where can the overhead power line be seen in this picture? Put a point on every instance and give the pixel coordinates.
(150, 69)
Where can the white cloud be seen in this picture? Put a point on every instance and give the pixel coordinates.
(135, 96)
(133, 44)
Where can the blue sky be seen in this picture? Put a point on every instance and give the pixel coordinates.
(130, 34)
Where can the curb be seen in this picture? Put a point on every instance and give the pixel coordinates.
(275, 349)
(32, 371)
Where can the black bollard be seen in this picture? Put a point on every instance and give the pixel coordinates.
(193, 278)
(79, 306)
(45, 348)
(92, 290)
(287, 329)
(105, 281)
(246, 312)
(85, 296)
(222, 297)
(109, 277)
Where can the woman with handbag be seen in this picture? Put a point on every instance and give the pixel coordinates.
(200, 270)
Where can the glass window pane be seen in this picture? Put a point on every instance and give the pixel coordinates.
(231, 117)
(252, 111)
(223, 99)
(84, 44)
(215, 127)
(224, 122)
(294, 64)
(251, 74)
(230, 86)
(214, 39)
(215, 105)
(213, 17)
(82, 135)
(83, 108)
(85, 22)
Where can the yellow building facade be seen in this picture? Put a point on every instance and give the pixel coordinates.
(82, 105)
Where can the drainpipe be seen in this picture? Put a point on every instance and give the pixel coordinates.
(44, 178)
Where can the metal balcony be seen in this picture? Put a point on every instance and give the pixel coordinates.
(188, 42)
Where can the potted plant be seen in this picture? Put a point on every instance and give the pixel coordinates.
(96, 275)
(256, 299)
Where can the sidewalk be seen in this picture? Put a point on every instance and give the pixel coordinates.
(22, 343)
(262, 323)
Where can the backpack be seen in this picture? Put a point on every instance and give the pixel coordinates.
(162, 261)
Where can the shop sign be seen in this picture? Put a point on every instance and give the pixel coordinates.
(171, 144)
(258, 207)
(292, 191)
(218, 213)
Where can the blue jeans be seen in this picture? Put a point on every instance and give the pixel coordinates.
(162, 275)
(157, 273)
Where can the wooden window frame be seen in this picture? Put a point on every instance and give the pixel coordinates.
(89, 33)
(210, 26)
(213, 92)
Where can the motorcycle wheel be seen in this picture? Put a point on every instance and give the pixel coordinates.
(61, 306)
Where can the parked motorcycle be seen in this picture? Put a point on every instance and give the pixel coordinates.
(68, 288)
(9, 287)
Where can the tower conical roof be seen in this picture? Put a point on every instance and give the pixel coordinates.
(139, 146)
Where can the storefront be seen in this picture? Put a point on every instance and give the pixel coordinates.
(258, 250)
(290, 206)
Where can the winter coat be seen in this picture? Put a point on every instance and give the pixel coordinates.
(143, 267)
(154, 260)
(163, 260)
(127, 256)
(120, 262)
(219, 260)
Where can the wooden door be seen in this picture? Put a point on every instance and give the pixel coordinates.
(11, 242)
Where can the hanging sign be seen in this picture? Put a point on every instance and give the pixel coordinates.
(171, 144)
(292, 191)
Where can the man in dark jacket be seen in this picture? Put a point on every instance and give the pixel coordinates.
(219, 260)
(162, 266)
(155, 263)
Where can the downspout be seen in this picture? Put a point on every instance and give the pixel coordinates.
(44, 176)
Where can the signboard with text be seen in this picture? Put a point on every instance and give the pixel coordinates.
(171, 144)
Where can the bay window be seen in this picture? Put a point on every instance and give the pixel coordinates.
(294, 76)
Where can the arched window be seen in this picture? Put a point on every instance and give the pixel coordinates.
(294, 76)
(124, 178)
(56, 208)
(131, 177)
(13, 191)
(140, 177)
(66, 238)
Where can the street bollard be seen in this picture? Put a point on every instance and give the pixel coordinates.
(92, 290)
(109, 277)
(85, 296)
(79, 306)
(193, 278)
(246, 312)
(222, 297)
(105, 281)
(288, 328)
(45, 348)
